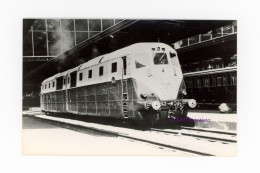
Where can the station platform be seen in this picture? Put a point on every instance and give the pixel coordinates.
(216, 120)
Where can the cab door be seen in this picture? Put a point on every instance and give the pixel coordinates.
(125, 94)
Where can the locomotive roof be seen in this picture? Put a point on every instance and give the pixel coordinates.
(107, 57)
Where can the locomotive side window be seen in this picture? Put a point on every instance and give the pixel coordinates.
(90, 74)
(160, 58)
(139, 65)
(114, 67)
(141, 60)
(101, 70)
(80, 76)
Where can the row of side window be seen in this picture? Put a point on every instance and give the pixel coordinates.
(49, 85)
(101, 71)
(73, 77)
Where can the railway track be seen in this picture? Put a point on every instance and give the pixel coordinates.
(211, 131)
(166, 139)
(202, 134)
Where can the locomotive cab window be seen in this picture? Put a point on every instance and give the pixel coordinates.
(160, 58)
(101, 70)
(114, 67)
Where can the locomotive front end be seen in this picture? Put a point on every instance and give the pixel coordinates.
(160, 85)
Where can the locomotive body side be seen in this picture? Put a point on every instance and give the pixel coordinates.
(141, 82)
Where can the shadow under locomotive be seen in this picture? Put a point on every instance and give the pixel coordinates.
(125, 123)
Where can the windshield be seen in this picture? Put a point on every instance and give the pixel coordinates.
(160, 58)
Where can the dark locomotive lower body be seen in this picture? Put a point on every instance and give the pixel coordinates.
(120, 99)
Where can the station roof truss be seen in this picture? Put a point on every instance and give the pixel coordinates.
(124, 33)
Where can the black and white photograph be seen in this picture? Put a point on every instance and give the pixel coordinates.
(129, 87)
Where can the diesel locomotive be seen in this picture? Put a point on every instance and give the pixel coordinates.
(142, 82)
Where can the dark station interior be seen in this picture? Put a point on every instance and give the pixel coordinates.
(40, 62)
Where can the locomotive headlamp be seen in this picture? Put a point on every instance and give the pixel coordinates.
(156, 105)
(184, 92)
(192, 103)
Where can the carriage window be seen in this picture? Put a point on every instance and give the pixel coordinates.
(199, 84)
(160, 58)
(219, 80)
(213, 81)
(80, 76)
(64, 81)
(49, 85)
(101, 69)
(225, 80)
(45, 86)
(68, 80)
(114, 67)
(53, 84)
(206, 82)
(90, 74)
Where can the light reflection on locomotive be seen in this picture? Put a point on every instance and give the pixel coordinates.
(142, 82)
